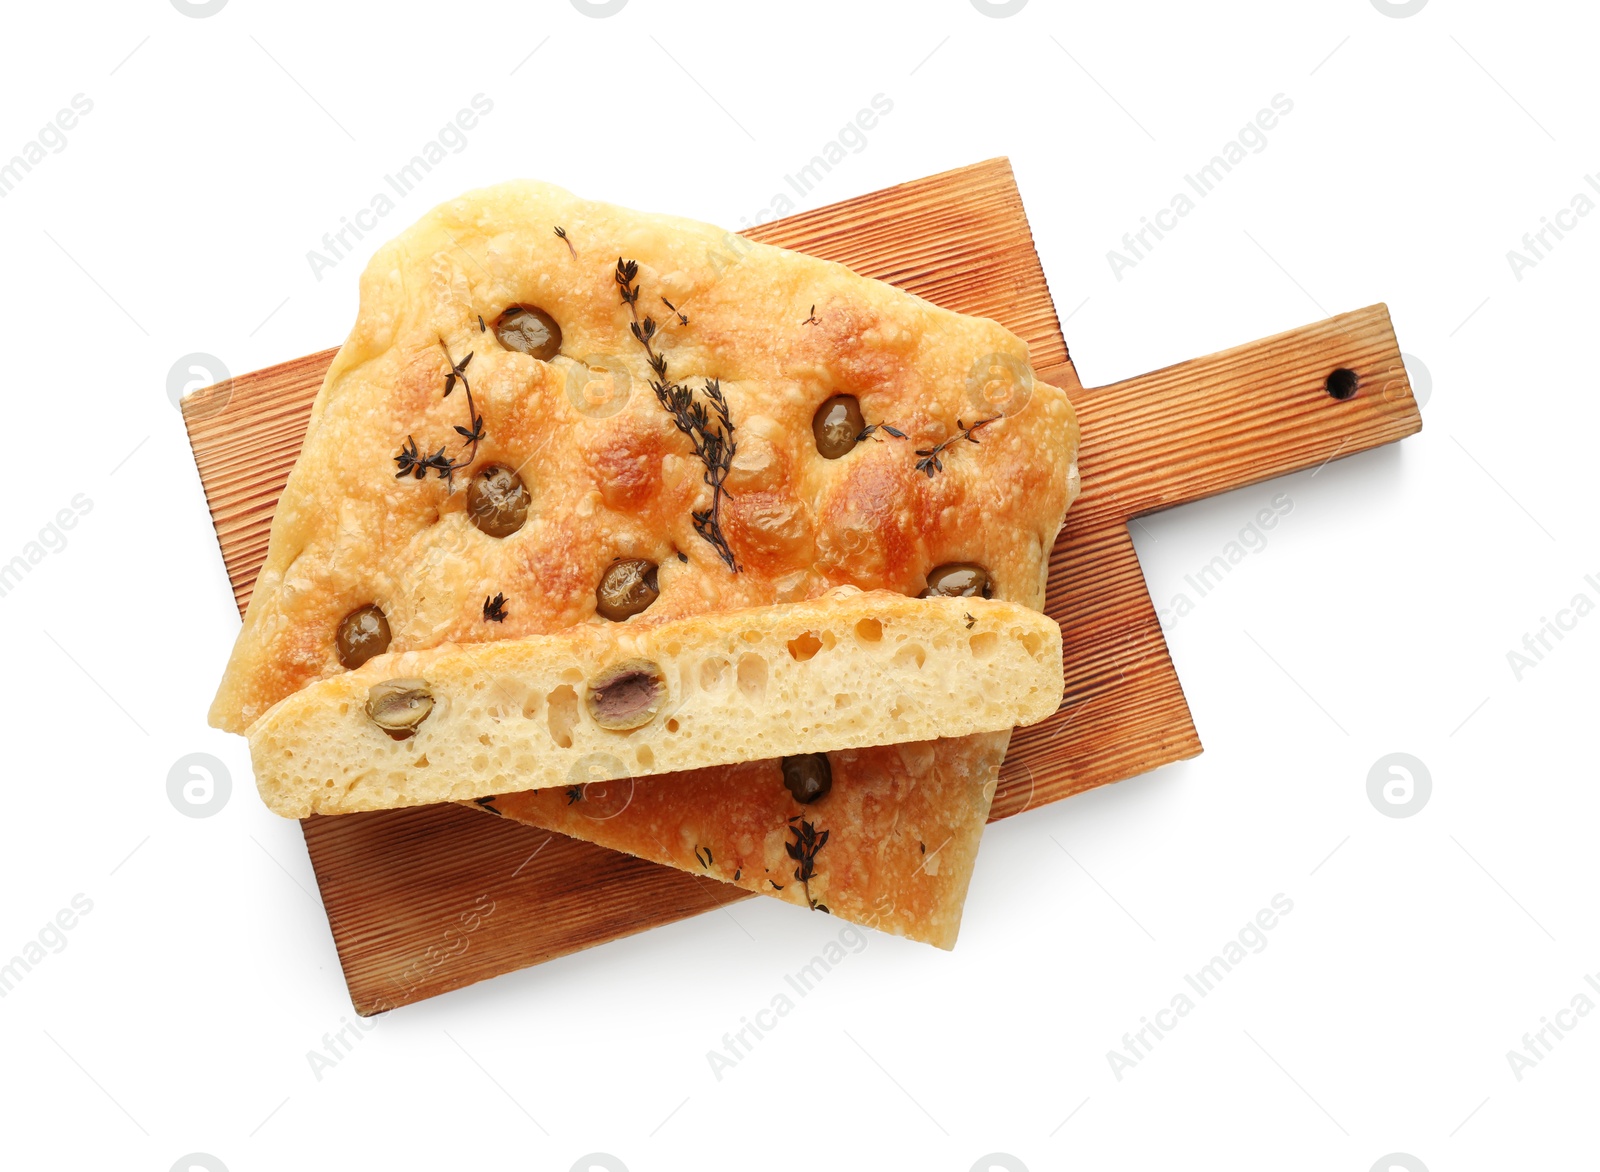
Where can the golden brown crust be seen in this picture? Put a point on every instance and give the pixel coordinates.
(903, 823)
(609, 483)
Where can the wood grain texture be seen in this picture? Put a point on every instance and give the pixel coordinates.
(426, 900)
(246, 433)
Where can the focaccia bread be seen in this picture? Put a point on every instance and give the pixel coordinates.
(490, 430)
(555, 416)
(902, 826)
(845, 671)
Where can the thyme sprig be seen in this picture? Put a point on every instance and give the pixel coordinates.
(931, 462)
(812, 319)
(803, 850)
(574, 794)
(411, 461)
(562, 233)
(494, 609)
(710, 432)
(488, 804)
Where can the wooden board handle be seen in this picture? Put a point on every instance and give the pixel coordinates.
(1241, 416)
(1177, 435)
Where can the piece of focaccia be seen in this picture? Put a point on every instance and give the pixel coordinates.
(903, 824)
(745, 481)
(555, 414)
(844, 671)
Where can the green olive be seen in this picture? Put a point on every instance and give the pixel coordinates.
(399, 706)
(837, 425)
(497, 500)
(958, 580)
(808, 777)
(363, 633)
(628, 587)
(530, 330)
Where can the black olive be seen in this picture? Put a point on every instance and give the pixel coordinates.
(628, 587)
(363, 633)
(958, 580)
(497, 500)
(627, 695)
(808, 777)
(530, 330)
(836, 425)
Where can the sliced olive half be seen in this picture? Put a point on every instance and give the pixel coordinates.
(627, 695)
(629, 586)
(836, 425)
(530, 330)
(399, 706)
(808, 777)
(363, 633)
(497, 500)
(958, 580)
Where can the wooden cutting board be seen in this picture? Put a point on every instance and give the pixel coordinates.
(430, 899)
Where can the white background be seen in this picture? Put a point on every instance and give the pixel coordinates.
(178, 1015)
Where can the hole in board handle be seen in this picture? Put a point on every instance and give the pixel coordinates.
(1342, 384)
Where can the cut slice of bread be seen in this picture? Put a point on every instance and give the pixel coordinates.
(847, 670)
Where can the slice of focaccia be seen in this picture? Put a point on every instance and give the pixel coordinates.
(554, 415)
(844, 671)
(882, 836)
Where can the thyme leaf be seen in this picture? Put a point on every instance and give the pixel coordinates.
(869, 432)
